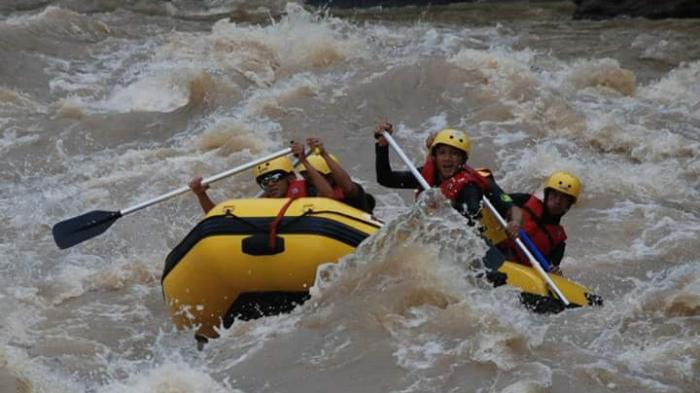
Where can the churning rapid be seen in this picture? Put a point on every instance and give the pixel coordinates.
(107, 104)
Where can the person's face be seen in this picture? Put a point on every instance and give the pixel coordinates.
(448, 160)
(557, 202)
(275, 185)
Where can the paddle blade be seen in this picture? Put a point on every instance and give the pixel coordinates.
(78, 229)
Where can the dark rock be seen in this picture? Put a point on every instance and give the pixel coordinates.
(652, 9)
(379, 3)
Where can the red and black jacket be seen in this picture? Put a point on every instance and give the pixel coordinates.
(544, 230)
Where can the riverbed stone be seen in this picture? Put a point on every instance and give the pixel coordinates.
(652, 9)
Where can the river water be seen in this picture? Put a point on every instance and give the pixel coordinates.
(105, 104)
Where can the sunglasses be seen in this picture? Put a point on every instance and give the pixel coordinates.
(271, 178)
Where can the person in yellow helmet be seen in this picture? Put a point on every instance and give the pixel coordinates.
(445, 167)
(344, 189)
(277, 179)
(541, 220)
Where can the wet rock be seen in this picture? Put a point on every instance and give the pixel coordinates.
(652, 9)
(379, 3)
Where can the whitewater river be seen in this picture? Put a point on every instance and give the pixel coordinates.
(105, 104)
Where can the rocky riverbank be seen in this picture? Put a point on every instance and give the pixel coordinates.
(652, 9)
(585, 9)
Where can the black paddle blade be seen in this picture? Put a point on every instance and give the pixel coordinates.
(78, 229)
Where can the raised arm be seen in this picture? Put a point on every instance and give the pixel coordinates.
(317, 180)
(340, 175)
(386, 176)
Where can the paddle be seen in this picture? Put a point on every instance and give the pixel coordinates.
(405, 159)
(534, 262)
(426, 186)
(533, 248)
(75, 230)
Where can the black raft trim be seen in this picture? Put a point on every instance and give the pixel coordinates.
(254, 305)
(232, 225)
(542, 304)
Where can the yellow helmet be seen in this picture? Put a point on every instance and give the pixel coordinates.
(452, 137)
(280, 164)
(564, 182)
(318, 162)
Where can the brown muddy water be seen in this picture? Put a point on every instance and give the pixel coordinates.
(105, 104)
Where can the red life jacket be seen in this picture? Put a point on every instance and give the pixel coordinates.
(338, 193)
(451, 187)
(545, 236)
(297, 189)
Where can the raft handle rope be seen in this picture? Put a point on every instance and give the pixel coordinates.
(275, 223)
(258, 228)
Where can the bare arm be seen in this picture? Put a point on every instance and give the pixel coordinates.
(201, 191)
(515, 222)
(341, 177)
(317, 180)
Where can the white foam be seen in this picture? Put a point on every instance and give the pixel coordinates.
(299, 40)
(421, 355)
(661, 47)
(11, 140)
(34, 374)
(679, 90)
(664, 358)
(605, 75)
(421, 265)
(272, 101)
(505, 72)
(11, 100)
(157, 93)
(527, 169)
(535, 377)
(171, 377)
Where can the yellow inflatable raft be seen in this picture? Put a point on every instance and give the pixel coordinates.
(229, 267)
